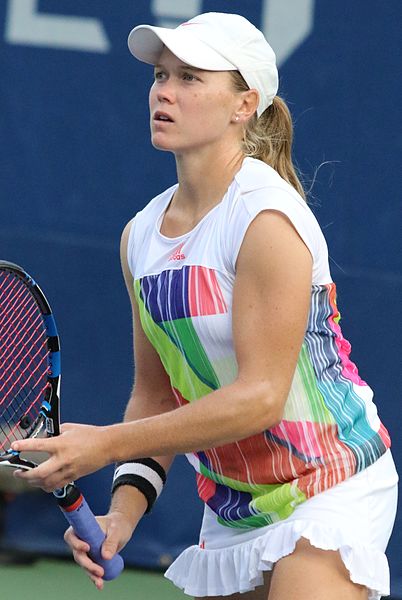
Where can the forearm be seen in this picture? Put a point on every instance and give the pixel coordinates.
(232, 413)
(142, 406)
(127, 499)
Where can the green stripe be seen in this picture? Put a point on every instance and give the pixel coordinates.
(248, 522)
(234, 484)
(271, 507)
(281, 501)
(186, 338)
(239, 486)
(319, 410)
(181, 376)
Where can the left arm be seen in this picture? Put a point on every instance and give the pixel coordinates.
(270, 309)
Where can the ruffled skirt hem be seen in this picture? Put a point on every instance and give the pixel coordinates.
(239, 568)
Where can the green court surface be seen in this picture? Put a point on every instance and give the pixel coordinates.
(62, 579)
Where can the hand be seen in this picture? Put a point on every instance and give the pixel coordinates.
(118, 530)
(77, 451)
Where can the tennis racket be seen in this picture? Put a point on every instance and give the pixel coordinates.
(30, 392)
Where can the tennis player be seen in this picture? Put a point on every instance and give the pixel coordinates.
(240, 359)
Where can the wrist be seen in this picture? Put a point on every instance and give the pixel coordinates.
(115, 440)
(130, 504)
(145, 475)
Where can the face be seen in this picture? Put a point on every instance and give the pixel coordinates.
(189, 108)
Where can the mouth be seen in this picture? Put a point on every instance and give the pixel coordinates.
(162, 117)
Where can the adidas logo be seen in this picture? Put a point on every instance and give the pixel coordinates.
(178, 254)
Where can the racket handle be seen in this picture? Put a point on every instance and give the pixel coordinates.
(77, 512)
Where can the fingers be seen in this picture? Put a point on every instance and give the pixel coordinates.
(33, 445)
(39, 473)
(93, 569)
(75, 543)
(97, 581)
(72, 454)
(45, 444)
(47, 476)
(110, 545)
(117, 531)
(80, 551)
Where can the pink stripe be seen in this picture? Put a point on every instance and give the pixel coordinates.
(301, 435)
(205, 295)
(349, 369)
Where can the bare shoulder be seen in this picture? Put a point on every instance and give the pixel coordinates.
(272, 244)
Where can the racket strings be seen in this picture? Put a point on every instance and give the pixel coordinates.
(14, 300)
(16, 432)
(24, 375)
(26, 337)
(13, 308)
(24, 360)
(8, 323)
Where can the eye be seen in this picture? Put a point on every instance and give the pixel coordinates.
(189, 76)
(159, 75)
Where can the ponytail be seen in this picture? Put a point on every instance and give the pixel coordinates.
(269, 137)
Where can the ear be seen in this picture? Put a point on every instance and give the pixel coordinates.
(247, 106)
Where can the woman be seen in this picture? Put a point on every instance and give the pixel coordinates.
(235, 322)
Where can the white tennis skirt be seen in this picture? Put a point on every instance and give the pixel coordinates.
(355, 517)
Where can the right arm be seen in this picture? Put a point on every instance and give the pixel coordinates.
(151, 395)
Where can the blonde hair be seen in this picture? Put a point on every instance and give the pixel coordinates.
(270, 137)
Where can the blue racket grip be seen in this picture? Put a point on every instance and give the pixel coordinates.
(81, 518)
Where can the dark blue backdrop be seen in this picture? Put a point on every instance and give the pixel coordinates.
(76, 163)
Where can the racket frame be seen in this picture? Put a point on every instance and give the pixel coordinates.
(71, 502)
(49, 416)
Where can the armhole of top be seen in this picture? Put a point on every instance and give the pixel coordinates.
(300, 217)
(290, 221)
(131, 246)
(296, 214)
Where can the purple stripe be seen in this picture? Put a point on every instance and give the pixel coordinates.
(166, 295)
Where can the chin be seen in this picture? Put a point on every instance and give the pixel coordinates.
(163, 143)
(161, 146)
(159, 141)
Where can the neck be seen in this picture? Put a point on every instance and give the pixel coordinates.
(204, 177)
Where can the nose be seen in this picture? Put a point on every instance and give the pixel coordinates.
(165, 92)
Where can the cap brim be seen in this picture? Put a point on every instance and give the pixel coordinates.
(146, 43)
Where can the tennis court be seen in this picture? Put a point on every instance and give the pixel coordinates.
(61, 578)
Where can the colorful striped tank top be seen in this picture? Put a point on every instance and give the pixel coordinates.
(330, 429)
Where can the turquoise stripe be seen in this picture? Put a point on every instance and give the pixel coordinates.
(354, 430)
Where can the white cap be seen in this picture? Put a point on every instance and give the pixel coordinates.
(214, 42)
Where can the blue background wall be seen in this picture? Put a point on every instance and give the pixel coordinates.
(76, 163)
